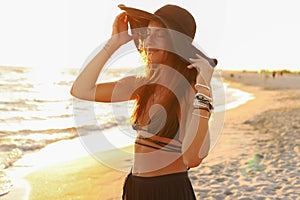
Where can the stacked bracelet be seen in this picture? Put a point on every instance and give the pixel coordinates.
(202, 101)
(201, 106)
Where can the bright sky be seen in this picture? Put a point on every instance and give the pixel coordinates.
(248, 34)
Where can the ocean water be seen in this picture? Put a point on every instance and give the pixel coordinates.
(36, 109)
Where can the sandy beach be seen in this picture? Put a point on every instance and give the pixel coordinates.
(256, 157)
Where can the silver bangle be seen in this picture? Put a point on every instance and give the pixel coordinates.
(201, 85)
(200, 115)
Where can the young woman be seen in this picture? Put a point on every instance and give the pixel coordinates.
(173, 99)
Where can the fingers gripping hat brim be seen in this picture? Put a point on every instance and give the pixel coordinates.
(139, 19)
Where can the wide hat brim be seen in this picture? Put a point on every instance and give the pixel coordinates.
(139, 19)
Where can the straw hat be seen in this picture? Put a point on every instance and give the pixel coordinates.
(181, 23)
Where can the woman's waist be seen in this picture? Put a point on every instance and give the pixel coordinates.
(157, 163)
(160, 177)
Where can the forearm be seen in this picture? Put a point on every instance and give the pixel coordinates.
(85, 83)
(195, 138)
(194, 143)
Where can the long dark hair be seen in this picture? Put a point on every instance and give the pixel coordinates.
(170, 102)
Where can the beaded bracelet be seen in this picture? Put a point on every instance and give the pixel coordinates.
(207, 105)
(201, 96)
(203, 101)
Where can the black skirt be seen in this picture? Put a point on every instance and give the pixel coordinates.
(175, 186)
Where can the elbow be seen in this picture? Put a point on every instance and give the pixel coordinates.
(193, 161)
(194, 157)
(73, 92)
(78, 94)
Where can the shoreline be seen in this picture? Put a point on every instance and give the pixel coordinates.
(35, 161)
(87, 171)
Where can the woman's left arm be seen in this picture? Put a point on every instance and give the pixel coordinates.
(196, 141)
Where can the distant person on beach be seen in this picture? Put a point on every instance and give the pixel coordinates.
(173, 99)
(274, 74)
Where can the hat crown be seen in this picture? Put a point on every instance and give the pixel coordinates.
(178, 19)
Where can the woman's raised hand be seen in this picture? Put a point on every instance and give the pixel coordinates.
(205, 70)
(120, 34)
